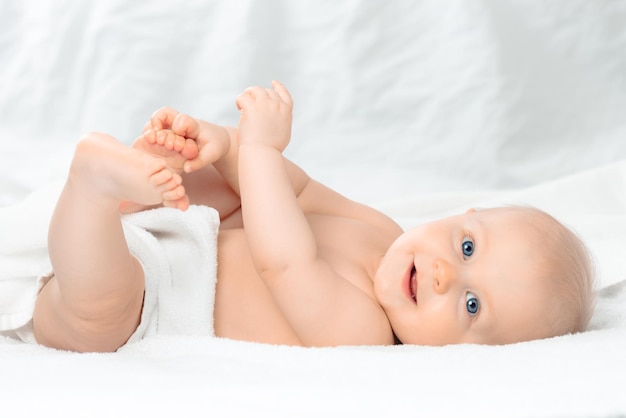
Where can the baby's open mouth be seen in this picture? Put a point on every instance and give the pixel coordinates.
(413, 284)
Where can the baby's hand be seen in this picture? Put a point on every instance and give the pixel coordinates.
(212, 141)
(265, 116)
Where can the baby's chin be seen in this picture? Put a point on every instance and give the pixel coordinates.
(405, 333)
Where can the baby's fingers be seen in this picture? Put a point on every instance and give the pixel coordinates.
(147, 127)
(282, 92)
(186, 126)
(245, 99)
(163, 118)
(204, 158)
(251, 95)
(194, 165)
(209, 154)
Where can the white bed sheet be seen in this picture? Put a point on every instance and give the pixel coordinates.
(421, 109)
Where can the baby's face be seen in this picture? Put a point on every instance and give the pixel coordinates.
(471, 278)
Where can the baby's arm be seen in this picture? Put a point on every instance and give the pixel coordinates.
(322, 307)
(275, 223)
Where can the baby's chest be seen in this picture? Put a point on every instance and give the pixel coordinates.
(351, 248)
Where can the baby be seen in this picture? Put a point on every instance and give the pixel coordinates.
(298, 263)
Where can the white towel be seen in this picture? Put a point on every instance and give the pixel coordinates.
(24, 254)
(178, 252)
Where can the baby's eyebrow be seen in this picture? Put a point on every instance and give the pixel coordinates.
(481, 226)
(479, 231)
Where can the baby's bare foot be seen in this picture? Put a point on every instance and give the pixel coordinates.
(174, 149)
(106, 170)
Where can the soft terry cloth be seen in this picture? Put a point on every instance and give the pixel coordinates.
(178, 252)
(24, 254)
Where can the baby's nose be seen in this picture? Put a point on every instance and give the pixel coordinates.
(444, 275)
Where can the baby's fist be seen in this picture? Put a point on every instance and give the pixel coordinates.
(265, 116)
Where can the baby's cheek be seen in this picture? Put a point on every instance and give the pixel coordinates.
(440, 325)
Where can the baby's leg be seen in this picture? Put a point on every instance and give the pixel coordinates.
(94, 300)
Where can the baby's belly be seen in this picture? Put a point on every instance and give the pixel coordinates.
(244, 307)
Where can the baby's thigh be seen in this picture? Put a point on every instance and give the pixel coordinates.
(103, 328)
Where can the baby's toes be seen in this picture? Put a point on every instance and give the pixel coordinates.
(150, 136)
(190, 149)
(162, 177)
(174, 194)
(179, 142)
(182, 203)
(171, 184)
(161, 137)
(171, 141)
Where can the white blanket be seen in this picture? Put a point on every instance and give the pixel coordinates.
(419, 108)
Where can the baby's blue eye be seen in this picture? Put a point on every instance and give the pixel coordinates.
(471, 304)
(468, 247)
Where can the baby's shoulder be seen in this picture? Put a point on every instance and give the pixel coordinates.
(319, 199)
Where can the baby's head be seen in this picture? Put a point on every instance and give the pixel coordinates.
(492, 276)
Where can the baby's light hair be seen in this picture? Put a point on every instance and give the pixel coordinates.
(568, 270)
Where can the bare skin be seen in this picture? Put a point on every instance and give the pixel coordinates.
(310, 268)
(173, 150)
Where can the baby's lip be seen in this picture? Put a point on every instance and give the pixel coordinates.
(410, 284)
(413, 284)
